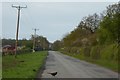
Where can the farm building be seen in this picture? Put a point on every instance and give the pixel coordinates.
(8, 49)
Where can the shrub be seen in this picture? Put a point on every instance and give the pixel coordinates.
(95, 52)
(87, 51)
(110, 52)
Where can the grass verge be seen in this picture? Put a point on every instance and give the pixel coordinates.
(24, 66)
(102, 62)
(0, 66)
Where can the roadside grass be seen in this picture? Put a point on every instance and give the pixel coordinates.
(24, 66)
(102, 62)
(0, 66)
(113, 65)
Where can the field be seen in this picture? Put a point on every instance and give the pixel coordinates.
(24, 66)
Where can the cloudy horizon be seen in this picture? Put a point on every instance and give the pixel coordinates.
(53, 19)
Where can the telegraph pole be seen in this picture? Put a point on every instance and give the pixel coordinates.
(18, 21)
(34, 36)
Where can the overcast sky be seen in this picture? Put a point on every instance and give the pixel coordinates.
(53, 19)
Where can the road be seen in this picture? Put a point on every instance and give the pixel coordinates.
(69, 67)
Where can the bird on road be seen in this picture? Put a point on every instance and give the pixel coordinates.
(53, 73)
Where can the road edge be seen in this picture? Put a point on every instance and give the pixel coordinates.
(41, 69)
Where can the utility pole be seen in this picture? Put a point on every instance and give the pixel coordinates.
(34, 36)
(18, 21)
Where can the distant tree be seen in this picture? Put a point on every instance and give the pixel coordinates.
(90, 22)
(41, 42)
(26, 43)
(56, 45)
(8, 42)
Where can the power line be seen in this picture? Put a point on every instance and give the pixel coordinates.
(18, 21)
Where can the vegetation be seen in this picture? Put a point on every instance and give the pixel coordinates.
(24, 66)
(0, 65)
(41, 43)
(56, 43)
(96, 39)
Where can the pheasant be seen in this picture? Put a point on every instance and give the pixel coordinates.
(53, 73)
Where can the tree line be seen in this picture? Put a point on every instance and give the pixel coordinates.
(96, 36)
(41, 43)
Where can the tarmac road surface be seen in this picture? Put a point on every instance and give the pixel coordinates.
(69, 67)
